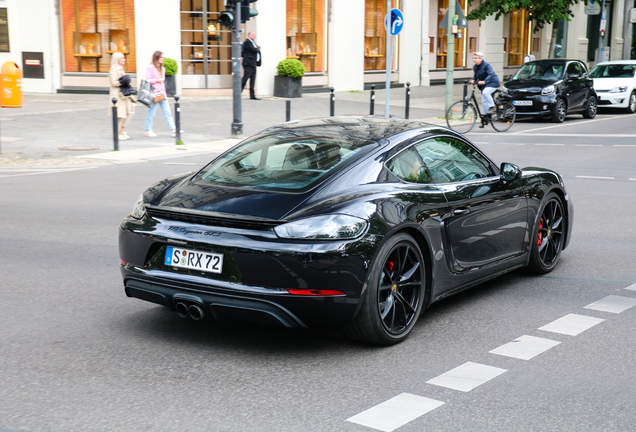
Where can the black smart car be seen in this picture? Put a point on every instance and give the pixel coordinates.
(354, 222)
(553, 89)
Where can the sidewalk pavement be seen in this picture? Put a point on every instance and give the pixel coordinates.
(68, 130)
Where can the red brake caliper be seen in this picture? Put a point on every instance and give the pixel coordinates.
(540, 234)
(390, 265)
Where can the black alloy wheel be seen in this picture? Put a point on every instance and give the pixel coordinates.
(631, 108)
(559, 112)
(547, 241)
(592, 107)
(395, 293)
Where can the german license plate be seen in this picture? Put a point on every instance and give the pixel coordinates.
(195, 260)
(522, 103)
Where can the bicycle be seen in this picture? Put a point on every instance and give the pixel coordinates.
(462, 115)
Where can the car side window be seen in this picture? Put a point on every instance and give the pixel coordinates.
(573, 69)
(409, 166)
(450, 160)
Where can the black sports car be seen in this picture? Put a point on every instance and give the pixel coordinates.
(553, 88)
(354, 222)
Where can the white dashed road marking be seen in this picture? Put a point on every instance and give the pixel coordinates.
(572, 324)
(525, 347)
(395, 412)
(613, 304)
(631, 287)
(467, 376)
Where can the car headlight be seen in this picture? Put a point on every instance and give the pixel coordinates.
(139, 210)
(620, 89)
(328, 227)
(548, 90)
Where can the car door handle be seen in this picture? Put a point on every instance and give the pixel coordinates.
(461, 211)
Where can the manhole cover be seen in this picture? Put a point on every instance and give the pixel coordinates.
(80, 148)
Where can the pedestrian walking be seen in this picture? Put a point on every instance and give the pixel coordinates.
(125, 103)
(487, 81)
(251, 59)
(156, 76)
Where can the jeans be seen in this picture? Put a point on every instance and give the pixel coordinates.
(486, 99)
(165, 107)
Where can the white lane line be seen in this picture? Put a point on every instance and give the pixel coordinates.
(538, 144)
(595, 177)
(179, 163)
(395, 412)
(47, 172)
(571, 324)
(570, 124)
(588, 145)
(613, 304)
(624, 145)
(525, 347)
(633, 179)
(631, 287)
(467, 376)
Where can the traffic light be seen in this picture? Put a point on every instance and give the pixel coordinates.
(227, 16)
(246, 11)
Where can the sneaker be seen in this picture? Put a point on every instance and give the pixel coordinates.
(122, 137)
(173, 132)
(150, 134)
(125, 134)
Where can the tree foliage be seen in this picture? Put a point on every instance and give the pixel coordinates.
(541, 12)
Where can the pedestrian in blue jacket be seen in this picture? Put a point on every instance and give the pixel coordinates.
(487, 81)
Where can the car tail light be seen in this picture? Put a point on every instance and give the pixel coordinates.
(315, 292)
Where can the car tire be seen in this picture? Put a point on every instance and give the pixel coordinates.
(591, 109)
(548, 235)
(559, 112)
(395, 293)
(631, 107)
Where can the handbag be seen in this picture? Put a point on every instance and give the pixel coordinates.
(158, 97)
(146, 93)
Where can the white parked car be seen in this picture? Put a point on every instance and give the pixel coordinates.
(615, 84)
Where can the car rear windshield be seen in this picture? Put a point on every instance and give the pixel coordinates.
(613, 71)
(285, 161)
(544, 70)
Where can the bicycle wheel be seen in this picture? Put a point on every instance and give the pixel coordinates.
(461, 116)
(504, 116)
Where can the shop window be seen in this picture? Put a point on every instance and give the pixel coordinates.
(519, 44)
(206, 46)
(561, 39)
(375, 35)
(305, 33)
(4, 31)
(95, 29)
(442, 39)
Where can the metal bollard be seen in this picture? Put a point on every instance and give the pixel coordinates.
(372, 102)
(332, 104)
(287, 110)
(408, 100)
(177, 119)
(465, 89)
(115, 131)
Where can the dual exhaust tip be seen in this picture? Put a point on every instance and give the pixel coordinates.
(193, 311)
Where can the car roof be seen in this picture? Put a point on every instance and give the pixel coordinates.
(632, 62)
(373, 128)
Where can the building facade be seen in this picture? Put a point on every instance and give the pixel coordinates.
(66, 45)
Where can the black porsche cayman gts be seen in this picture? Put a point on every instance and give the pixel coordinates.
(353, 222)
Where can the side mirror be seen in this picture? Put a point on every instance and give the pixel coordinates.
(509, 172)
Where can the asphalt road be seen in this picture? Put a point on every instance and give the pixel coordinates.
(77, 355)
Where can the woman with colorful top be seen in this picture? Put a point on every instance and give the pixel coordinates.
(155, 75)
(125, 104)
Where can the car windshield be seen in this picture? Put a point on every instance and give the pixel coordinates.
(543, 70)
(613, 71)
(285, 161)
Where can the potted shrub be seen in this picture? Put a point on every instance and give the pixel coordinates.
(171, 70)
(288, 82)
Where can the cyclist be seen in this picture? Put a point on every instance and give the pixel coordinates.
(487, 81)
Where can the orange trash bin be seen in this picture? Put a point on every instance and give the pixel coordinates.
(11, 86)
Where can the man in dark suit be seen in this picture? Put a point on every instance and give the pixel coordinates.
(251, 59)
